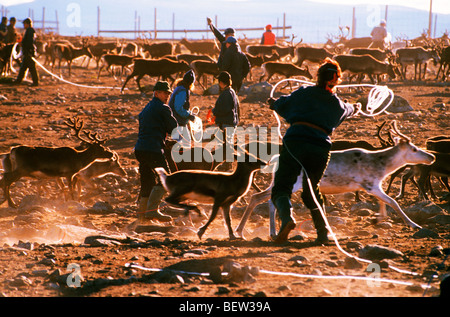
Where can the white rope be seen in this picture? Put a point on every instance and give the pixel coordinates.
(378, 100)
(196, 126)
(377, 96)
(339, 277)
(69, 82)
(14, 56)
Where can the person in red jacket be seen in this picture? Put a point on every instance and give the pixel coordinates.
(268, 38)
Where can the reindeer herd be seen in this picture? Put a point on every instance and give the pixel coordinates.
(353, 166)
(285, 59)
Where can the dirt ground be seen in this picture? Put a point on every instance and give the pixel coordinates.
(48, 243)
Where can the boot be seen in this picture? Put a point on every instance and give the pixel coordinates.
(142, 208)
(319, 224)
(154, 200)
(284, 208)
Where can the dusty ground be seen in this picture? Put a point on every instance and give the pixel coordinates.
(44, 239)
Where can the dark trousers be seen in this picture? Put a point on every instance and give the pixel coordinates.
(28, 63)
(148, 161)
(314, 159)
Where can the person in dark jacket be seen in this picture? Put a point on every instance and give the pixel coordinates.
(235, 62)
(313, 113)
(226, 108)
(221, 38)
(180, 104)
(156, 122)
(3, 29)
(28, 51)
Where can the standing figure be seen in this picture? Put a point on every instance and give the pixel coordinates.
(156, 122)
(313, 113)
(235, 62)
(3, 29)
(221, 38)
(379, 34)
(180, 105)
(268, 37)
(29, 51)
(11, 33)
(226, 108)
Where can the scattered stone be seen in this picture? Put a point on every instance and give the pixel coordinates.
(422, 211)
(331, 263)
(101, 208)
(377, 253)
(222, 290)
(440, 219)
(425, 233)
(354, 245)
(352, 264)
(436, 251)
(364, 212)
(415, 288)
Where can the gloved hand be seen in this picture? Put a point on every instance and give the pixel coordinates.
(191, 118)
(270, 102)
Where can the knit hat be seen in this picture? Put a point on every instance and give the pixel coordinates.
(229, 31)
(162, 86)
(189, 77)
(224, 77)
(268, 27)
(231, 40)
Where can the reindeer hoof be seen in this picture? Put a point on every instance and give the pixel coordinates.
(200, 233)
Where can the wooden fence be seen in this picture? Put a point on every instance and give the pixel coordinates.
(154, 34)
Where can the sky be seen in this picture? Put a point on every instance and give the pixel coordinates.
(312, 20)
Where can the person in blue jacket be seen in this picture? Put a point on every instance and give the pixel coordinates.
(156, 123)
(313, 113)
(180, 104)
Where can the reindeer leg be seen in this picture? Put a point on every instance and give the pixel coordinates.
(213, 215)
(226, 215)
(378, 192)
(173, 200)
(255, 200)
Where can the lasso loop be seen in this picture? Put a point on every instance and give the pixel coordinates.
(196, 126)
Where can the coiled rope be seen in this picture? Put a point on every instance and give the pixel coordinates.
(196, 126)
(378, 97)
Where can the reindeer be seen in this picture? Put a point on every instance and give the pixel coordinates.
(98, 169)
(221, 189)
(358, 169)
(286, 69)
(417, 56)
(49, 162)
(69, 53)
(159, 67)
(109, 60)
(200, 47)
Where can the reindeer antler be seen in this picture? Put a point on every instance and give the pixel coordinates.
(397, 132)
(77, 125)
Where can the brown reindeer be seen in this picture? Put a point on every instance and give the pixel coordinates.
(50, 162)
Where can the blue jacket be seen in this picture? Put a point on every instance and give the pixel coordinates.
(179, 103)
(226, 108)
(313, 105)
(155, 123)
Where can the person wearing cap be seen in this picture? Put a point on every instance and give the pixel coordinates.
(221, 38)
(226, 107)
(3, 29)
(28, 51)
(235, 62)
(180, 104)
(379, 35)
(11, 33)
(313, 113)
(268, 37)
(156, 123)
